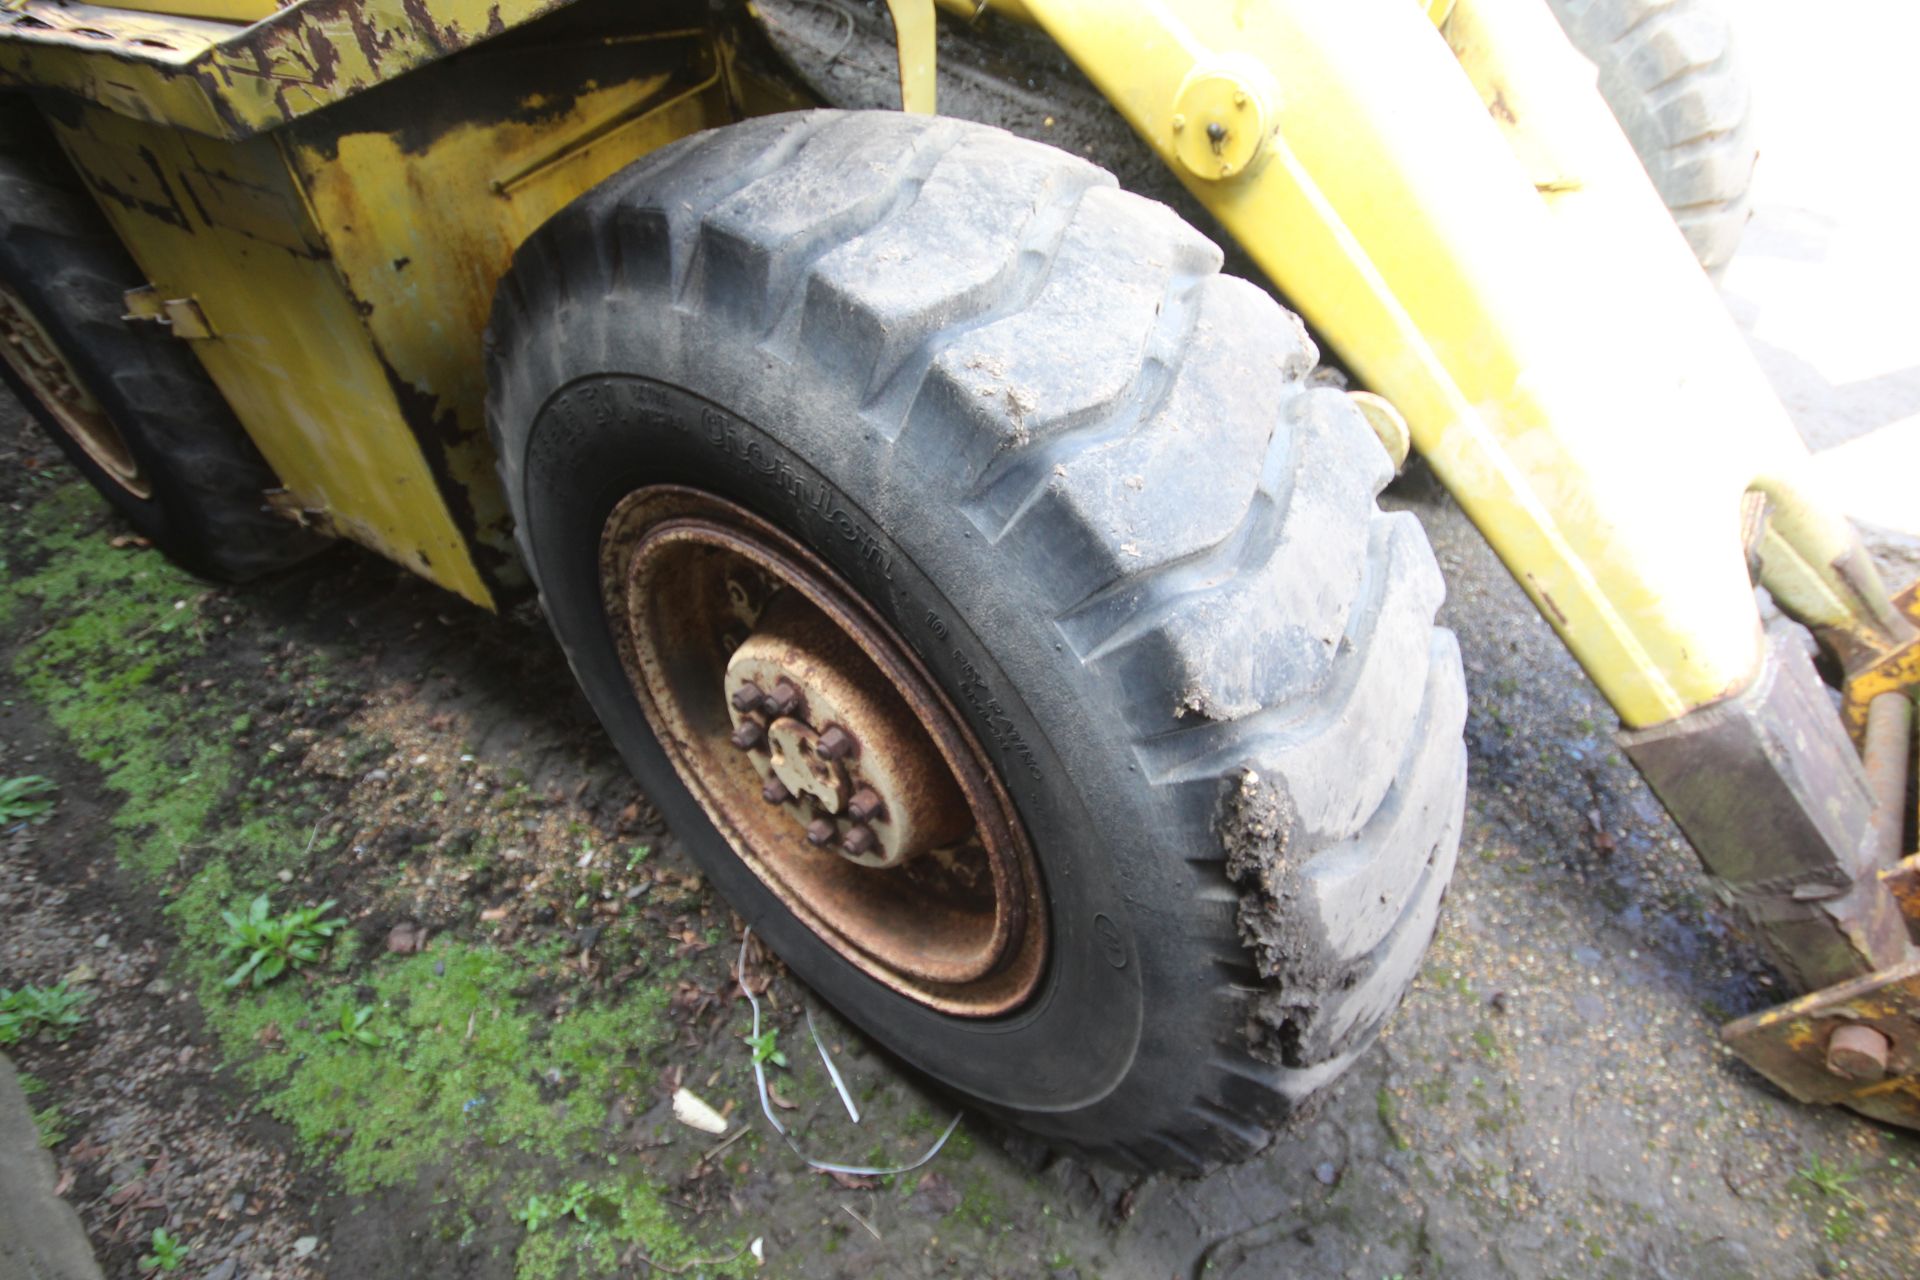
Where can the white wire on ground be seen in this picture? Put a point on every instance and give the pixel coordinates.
(833, 1072)
(766, 1104)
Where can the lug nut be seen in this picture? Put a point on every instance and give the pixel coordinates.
(819, 833)
(1856, 1051)
(747, 697)
(835, 744)
(775, 792)
(866, 805)
(785, 700)
(860, 841)
(749, 735)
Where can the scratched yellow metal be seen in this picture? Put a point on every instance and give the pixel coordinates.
(235, 81)
(239, 11)
(226, 224)
(1457, 213)
(421, 228)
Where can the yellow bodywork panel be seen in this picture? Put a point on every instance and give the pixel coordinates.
(421, 234)
(1455, 211)
(225, 224)
(346, 262)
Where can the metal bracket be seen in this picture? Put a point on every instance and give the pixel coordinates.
(182, 315)
(1810, 1047)
(1891, 670)
(284, 502)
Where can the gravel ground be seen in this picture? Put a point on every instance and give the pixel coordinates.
(1551, 1101)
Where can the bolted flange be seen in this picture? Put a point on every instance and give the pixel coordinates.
(842, 751)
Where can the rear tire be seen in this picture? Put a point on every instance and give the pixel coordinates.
(1671, 73)
(128, 404)
(1084, 479)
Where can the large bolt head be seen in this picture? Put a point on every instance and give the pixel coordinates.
(775, 792)
(836, 744)
(785, 700)
(860, 842)
(866, 805)
(820, 833)
(747, 697)
(748, 735)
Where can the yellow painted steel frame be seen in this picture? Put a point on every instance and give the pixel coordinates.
(345, 262)
(1454, 210)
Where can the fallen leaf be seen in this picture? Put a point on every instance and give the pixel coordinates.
(692, 1110)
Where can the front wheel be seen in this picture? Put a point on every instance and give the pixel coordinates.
(974, 579)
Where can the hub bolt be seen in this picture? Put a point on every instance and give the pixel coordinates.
(819, 833)
(749, 735)
(785, 700)
(860, 841)
(747, 697)
(775, 792)
(866, 805)
(835, 744)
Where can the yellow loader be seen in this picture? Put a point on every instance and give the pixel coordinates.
(990, 591)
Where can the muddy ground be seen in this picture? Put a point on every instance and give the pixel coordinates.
(1551, 1101)
(540, 969)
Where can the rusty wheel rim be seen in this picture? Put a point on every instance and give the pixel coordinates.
(32, 354)
(835, 768)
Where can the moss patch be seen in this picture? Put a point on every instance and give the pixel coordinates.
(472, 1071)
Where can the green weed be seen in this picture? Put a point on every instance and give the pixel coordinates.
(353, 1028)
(765, 1049)
(1830, 1180)
(272, 944)
(31, 1010)
(52, 1126)
(167, 1254)
(25, 799)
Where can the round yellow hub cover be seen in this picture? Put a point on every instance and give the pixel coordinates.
(1219, 123)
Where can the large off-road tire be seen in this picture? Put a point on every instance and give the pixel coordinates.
(127, 403)
(1082, 479)
(1670, 71)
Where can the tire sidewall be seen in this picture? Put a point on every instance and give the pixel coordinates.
(149, 515)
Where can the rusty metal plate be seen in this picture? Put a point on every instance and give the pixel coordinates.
(1788, 1044)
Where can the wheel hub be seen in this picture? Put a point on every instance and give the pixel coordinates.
(825, 755)
(878, 782)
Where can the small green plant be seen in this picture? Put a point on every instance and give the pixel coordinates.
(765, 1050)
(168, 1254)
(26, 799)
(542, 1211)
(353, 1028)
(1830, 1180)
(30, 1010)
(272, 944)
(52, 1126)
(637, 854)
